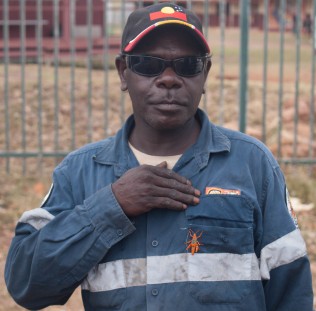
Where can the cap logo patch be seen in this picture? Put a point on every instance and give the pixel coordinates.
(168, 11)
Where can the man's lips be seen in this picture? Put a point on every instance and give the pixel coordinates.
(168, 103)
(168, 106)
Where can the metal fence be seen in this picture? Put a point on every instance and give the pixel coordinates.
(59, 88)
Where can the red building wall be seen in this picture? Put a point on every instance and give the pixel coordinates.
(14, 17)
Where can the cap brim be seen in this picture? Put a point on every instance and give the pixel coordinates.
(130, 46)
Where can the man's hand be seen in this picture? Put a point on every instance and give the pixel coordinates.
(146, 187)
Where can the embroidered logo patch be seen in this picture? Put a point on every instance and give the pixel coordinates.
(216, 190)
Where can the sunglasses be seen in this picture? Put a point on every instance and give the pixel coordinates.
(151, 66)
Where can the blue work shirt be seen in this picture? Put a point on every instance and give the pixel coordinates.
(238, 249)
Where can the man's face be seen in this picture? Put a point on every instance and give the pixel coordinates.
(166, 101)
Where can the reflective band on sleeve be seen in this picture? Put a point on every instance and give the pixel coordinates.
(281, 252)
(37, 218)
(172, 268)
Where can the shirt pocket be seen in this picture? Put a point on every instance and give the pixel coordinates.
(223, 268)
(222, 210)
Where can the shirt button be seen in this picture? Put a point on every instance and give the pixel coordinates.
(154, 243)
(224, 238)
(155, 292)
(119, 232)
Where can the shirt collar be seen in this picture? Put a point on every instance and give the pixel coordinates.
(211, 140)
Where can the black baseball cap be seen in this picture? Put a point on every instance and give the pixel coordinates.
(142, 21)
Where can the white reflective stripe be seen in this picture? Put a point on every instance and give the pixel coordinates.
(168, 269)
(172, 268)
(202, 267)
(135, 271)
(281, 252)
(116, 274)
(224, 267)
(37, 218)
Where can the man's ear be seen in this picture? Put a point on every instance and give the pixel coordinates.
(207, 70)
(121, 67)
(208, 65)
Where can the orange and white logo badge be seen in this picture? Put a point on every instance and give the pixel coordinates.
(216, 190)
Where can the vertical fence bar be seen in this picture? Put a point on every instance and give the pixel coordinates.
(72, 21)
(22, 61)
(189, 4)
(6, 79)
(206, 23)
(280, 104)
(122, 100)
(265, 66)
(222, 10)
(312, 94)
(56, 74)
(39, 36)
(106, 66)
(89, 65)
(297, 72)
(243, 69)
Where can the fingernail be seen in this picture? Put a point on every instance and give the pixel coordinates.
(196, 200)
(185, 206)
(197, 192)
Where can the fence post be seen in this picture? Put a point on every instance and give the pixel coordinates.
(6, 79)
(243, 69)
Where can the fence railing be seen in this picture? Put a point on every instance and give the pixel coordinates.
(60, 90)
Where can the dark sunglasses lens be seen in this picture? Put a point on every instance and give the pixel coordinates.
(152, 66)
(146, 65)
(189, 66)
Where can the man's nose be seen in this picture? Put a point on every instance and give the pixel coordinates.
(169, 79)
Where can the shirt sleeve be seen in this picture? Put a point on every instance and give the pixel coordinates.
(284, 264)
(55, 246)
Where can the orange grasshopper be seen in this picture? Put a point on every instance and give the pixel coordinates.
(194, 243)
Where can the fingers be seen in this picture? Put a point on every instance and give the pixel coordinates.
(163, 164)
(174, 199)
(163, 202)
(172, 180)
(154, 187)
(174, 190)
(179, 186)
(162, 171)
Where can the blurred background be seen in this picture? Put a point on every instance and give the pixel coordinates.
(59, 90)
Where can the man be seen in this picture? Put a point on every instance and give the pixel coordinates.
(172, 213)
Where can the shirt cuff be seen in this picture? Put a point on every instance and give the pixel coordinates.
(107, 216)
